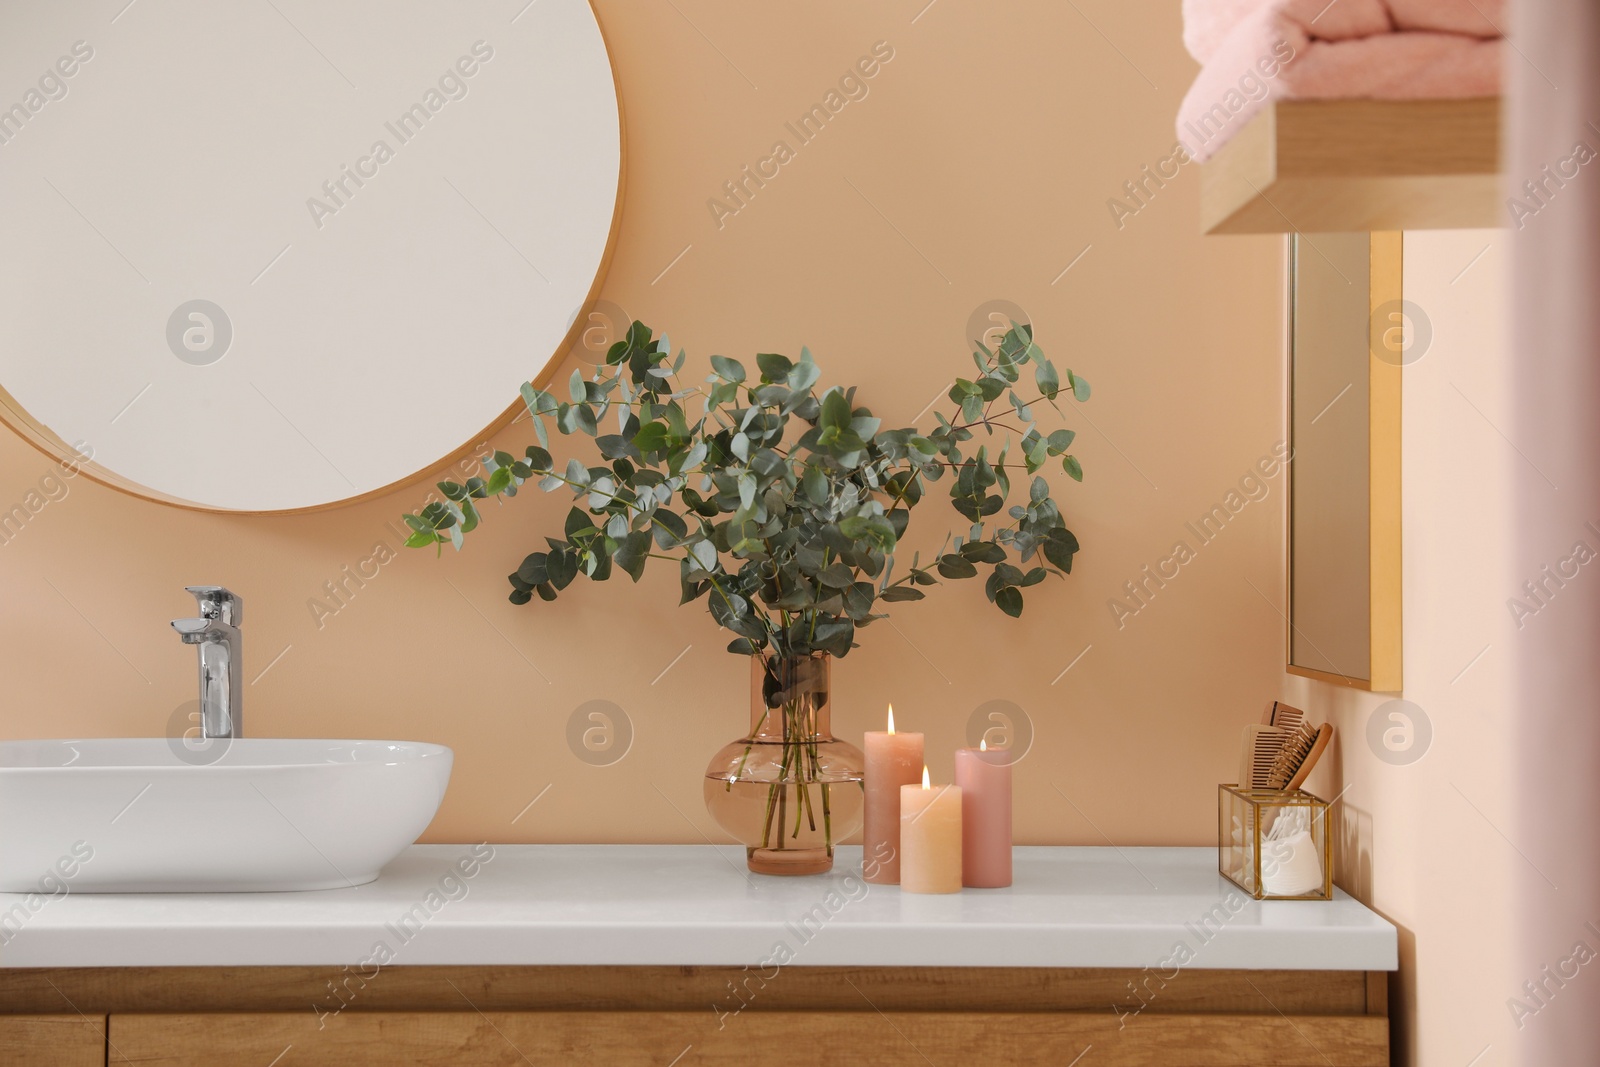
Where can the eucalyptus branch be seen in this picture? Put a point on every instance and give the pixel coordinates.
(793, 501)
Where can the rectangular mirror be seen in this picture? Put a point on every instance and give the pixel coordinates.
(1346, 347)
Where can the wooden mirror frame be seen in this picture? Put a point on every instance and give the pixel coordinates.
(72, 456)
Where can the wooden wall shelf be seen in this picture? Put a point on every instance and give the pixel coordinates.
(1331, 166)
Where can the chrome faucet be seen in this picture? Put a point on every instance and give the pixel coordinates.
(216, 634)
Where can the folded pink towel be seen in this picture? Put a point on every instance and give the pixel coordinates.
(1207, 22)
(1475, 18)
(1314, 49)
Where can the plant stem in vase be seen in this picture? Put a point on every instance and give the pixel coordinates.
(789, 790)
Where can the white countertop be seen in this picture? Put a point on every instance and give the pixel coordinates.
(693, 904)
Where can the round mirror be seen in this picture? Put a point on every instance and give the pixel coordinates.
(279, 255)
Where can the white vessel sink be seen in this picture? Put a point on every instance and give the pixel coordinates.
(155, 815)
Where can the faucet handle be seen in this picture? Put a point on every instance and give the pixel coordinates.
(218, 603)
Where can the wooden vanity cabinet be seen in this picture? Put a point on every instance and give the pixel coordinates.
(693, 1016)
(52, 1040)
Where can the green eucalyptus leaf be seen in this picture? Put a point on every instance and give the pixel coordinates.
(704, 554)
(836, 576)
(632, 553)
(855, 526)
(983, 552)
(728, 369)
(727, 607)
(835, 411)
(774, 368)
(652, 437)
(601, 492)
(578, 522)
(537, 401)
(533, 568)
(1060, 440)
(858, 600)
(1058, 553)
(882, 532)
(952, 565)
(614, 446)
(1046, 378)
(562, 568)
(673, 524)
(804, 374)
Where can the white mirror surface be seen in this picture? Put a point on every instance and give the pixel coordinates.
(276, 254)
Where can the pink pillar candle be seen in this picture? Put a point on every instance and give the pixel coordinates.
(893, 760)
(930, 838)
(985, 781)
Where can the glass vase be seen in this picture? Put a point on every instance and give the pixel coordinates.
(789, 790)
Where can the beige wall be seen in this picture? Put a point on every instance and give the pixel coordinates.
(1429, 843)
(979, 166)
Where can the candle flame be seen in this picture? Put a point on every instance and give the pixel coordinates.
(983, 745)
(891, 718)
(925, 783)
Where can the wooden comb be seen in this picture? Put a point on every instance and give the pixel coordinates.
(1259, 754)
(1297, 755)
(1280, 714)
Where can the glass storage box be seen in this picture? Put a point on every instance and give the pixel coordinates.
(1275, 843)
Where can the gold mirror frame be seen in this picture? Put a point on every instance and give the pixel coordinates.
(1384, 358)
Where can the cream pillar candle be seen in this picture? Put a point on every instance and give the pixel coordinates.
(893, 760)
(930, 838)
(985, 781)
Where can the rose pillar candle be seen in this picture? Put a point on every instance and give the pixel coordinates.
(893, 760)
(930, 838)
(985, 781)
